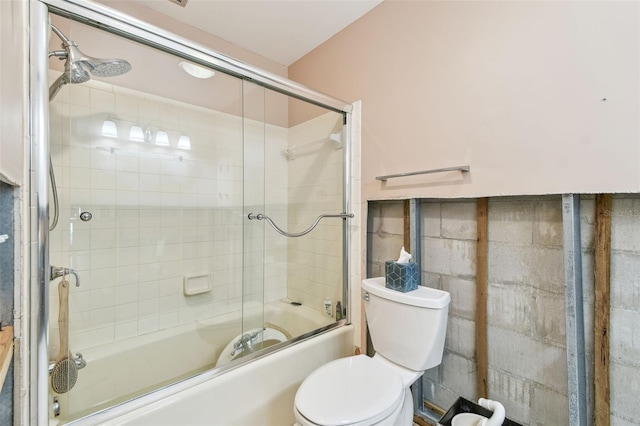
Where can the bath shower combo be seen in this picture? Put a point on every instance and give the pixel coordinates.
(182, 282)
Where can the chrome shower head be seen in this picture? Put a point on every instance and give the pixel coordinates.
(78, 66)
(96, 66)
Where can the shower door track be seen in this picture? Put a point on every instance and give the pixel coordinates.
(115, 22)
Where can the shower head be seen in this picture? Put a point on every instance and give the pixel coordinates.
(79, 67)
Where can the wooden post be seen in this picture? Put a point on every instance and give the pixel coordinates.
(602, 415)
(482, 386)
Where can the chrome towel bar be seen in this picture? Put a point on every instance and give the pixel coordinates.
(260, 216)
(424, 172)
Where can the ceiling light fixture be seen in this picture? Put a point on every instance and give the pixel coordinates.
(196, 71)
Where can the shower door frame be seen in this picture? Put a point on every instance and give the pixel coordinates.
(126, 26)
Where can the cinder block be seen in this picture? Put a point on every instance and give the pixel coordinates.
(449, 257)
(524, 357)
(461, 338)
(548, 317)
(459, 375)
(436, 256)
(625, 224)
(385, 247)
(459, 220)
(511, 221)
(512, 392)
(463, 296)
(390, 219)
(625, 280)
(463, 258)
(625, 381)
(547, 228)
(430, 219)
(619, 421)
(432, 280)
(625, 338)
(540, 267)
(549, 407)
(509, 307)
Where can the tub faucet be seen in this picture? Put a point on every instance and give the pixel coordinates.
(59, 271)
(245, 343)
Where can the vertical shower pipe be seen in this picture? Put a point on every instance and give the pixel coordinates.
(574, 316)
(346, 208)
(39, 199)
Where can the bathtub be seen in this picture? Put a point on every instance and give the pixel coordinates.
(130, 369)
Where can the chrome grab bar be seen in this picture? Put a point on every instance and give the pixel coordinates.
(260, 216)
(463, 169)
(59, 271)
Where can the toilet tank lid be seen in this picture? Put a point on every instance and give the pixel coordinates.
(425, 297)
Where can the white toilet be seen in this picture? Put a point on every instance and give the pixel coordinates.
(408, 331)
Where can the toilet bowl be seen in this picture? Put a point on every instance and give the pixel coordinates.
(354, 391)
(363, 391)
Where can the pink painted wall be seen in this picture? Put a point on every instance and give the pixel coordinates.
(514, 89)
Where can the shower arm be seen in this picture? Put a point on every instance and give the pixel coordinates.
(261, 216)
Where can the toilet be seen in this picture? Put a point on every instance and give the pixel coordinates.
(408, 332)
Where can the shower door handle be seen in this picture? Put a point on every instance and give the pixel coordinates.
(260, 216)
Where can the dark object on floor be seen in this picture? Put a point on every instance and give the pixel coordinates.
(465, 406)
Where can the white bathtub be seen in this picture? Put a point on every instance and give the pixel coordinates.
(125, 370)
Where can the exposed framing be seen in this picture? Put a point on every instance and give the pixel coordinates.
(602, 303)
(574, 315)
(482, 352)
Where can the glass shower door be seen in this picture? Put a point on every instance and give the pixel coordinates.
(149, 169)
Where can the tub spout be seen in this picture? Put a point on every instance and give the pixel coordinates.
(57, 271)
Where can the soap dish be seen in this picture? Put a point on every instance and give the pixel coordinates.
(196, 284)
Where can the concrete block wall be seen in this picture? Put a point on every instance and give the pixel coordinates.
(625, 310)
(526, 323)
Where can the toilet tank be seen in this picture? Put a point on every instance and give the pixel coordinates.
(406, 328)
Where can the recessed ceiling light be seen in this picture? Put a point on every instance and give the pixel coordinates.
(196, 71)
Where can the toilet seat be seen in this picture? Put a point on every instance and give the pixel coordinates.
(350, 391)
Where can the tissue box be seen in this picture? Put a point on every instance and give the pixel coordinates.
(401, 276)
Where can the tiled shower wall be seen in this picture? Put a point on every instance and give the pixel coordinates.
(315, 187)
(527, 357)
(159, 213)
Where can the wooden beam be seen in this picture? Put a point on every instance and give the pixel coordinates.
(602, 414)
(482, 386)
